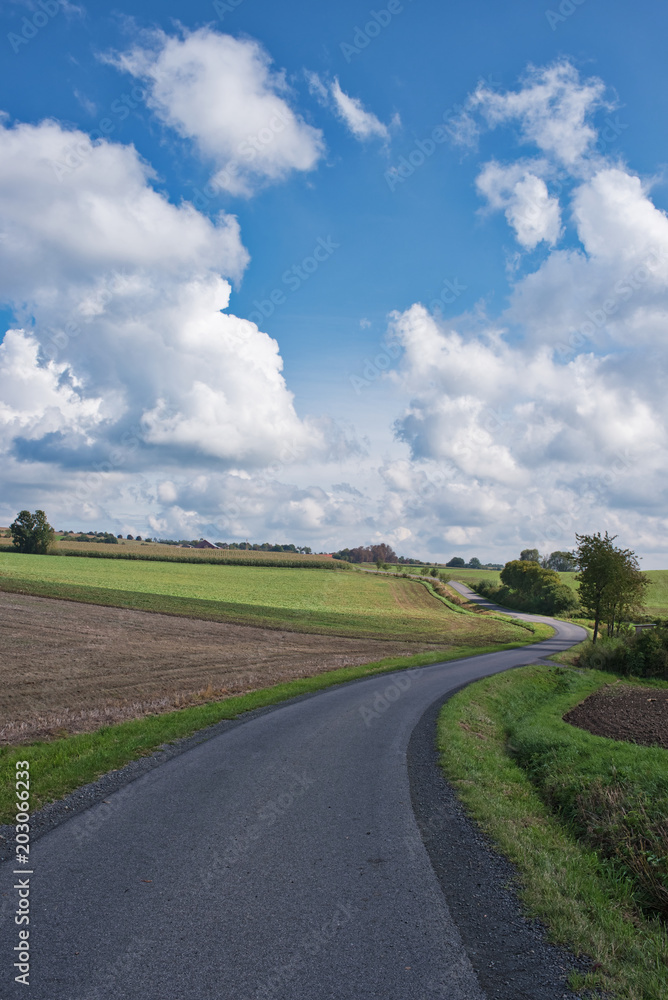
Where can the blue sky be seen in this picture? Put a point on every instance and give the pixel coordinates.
(435, 382)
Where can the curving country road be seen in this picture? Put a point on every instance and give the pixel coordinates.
(279, 859)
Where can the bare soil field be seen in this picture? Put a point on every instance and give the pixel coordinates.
(620, 712)
(70, 668)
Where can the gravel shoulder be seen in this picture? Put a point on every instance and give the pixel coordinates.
(509, 952)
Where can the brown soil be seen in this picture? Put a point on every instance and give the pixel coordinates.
(633, 714)
(71, 668)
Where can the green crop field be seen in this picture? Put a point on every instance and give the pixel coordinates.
(305, 600)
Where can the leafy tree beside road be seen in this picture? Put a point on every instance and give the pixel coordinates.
(528, 586)
(537, 589)
(32, 533)
(611, 584)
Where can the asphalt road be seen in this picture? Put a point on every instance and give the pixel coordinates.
(280, 859)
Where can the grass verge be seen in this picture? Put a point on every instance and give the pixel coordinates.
(60, 766)
(557, 801)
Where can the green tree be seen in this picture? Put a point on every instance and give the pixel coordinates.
(611, 584)
(32, 533)
(561, 562)
(474, 563)
(538, 589)
(530, 555)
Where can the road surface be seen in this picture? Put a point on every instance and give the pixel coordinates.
(279, 859)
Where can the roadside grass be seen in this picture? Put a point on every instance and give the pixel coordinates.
(59, 766)
(572, 811)
(315, 601)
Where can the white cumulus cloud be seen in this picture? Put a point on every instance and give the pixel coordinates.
(126, 294)
(530, 210)
(222, 93)
(553, 108)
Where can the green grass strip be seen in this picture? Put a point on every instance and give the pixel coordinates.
(59, 766)
(586, 902)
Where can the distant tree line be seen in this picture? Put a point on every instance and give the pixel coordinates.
(560, 562)
(458, 563)
(368, 554)
(107, 537)
(242, 546)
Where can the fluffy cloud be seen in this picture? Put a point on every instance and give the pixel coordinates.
(611, 291)
(552, 107)
(554, 110)
(36, 401)
(125, 293)
(222, 93)
(530, 210)
(498, 412)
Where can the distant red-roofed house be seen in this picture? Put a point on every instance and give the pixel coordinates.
(203, 544)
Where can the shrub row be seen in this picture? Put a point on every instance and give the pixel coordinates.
(549, 597)
(643, 655)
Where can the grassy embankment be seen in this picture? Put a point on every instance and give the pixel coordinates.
(582, 817)
(351, 604)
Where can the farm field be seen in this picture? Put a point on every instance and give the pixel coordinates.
(348, 603)
(68, 667)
